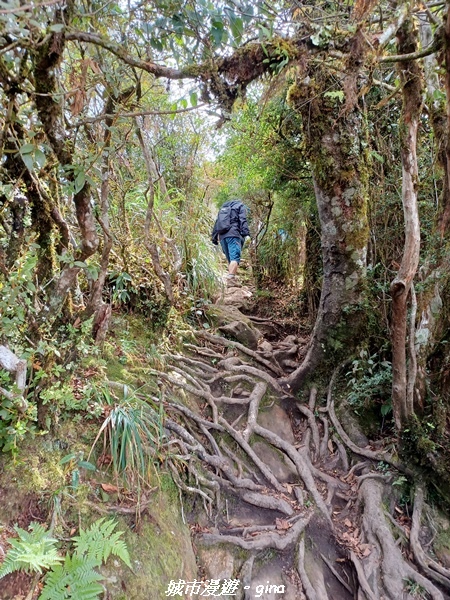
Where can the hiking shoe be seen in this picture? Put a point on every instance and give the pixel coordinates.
(232, 281)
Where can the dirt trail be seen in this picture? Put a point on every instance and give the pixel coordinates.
(286, 502)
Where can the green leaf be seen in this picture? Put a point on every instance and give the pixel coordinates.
(80, 180)
(92, 272)
(339, 94)
(377, 156)
(155, 43)
(27, 149)
(217, 32)
(100, 541)
(386, 409)
(237, 29)
(57, 27)
(40, 158)
(76, 579)
(75, 478)
(193, 98)
(264, 32)
(33, 551)
(28, 161)
(67, 458)
(84, 464)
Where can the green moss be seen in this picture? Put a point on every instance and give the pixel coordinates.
(442, 540)
(35, 470)
(160, 550)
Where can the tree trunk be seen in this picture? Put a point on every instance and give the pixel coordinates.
(46, 59)
(335, 136)
(95, 304)
(151, 246)
(400, 287)
(433, 314)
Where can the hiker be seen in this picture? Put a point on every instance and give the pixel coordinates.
(231, 230)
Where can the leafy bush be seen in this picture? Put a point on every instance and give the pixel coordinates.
(17, 295)
(17, 417)
(370, 382)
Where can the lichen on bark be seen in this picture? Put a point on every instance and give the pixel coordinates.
(335, 142)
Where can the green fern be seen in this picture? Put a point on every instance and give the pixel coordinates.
(100, 541)
(33, 551)
(76, 579)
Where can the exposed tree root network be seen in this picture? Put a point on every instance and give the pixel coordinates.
(283, 486)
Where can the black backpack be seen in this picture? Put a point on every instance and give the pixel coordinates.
(223, 223)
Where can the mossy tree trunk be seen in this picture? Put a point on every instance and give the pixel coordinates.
(403, 379)
(434, 317)
(335, 137)
(46, 59)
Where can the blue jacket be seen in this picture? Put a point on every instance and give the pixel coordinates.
(239, 226)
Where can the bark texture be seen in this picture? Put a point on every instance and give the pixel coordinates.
(400, 287)
(334, 136)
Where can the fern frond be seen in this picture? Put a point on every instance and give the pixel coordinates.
(33, 551)
(76, 579)
(100, 541)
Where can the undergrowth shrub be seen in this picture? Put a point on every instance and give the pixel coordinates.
(369, 383)
(132, 430)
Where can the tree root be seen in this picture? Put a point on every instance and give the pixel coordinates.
(220, 467)
(230, 364)
(376, 456)
(255, 399)
(307, 586)
(336, 574)
(307, 412)
(302, 468)
(269, 539)
(394, 568)
(429, 566)
(248, 450)
(264, 501)
(362, 580)
(231, 344)
(245, 576)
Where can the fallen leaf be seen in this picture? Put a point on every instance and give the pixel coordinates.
(348, 523)
(282, 524)
(108, 488)
(330, 446)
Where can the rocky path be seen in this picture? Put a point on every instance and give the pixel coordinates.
(285, 503)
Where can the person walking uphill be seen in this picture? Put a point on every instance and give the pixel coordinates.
(231, 229)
